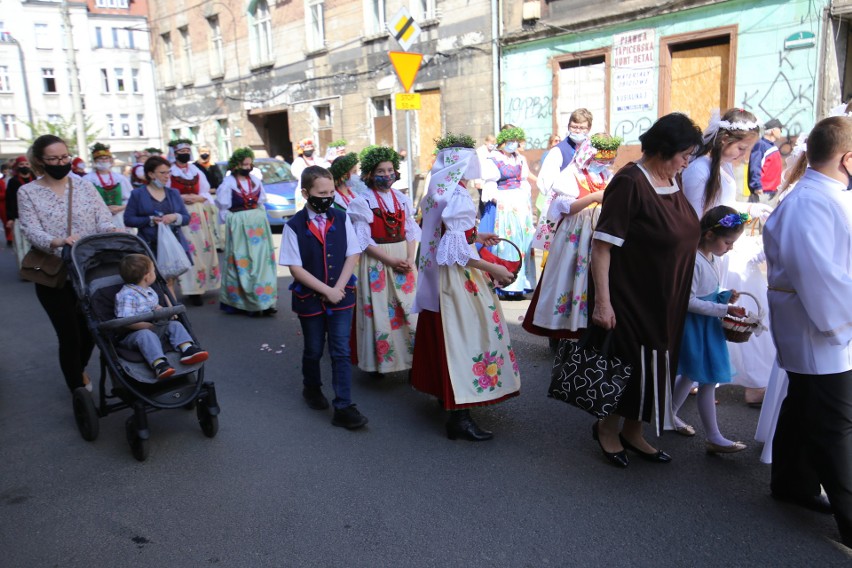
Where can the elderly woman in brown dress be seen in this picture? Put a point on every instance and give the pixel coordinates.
(642, 261)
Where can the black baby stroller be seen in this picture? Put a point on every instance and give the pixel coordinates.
(93, 264)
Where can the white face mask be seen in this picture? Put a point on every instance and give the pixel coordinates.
(511, 147)
(577, 137)
(102, 166)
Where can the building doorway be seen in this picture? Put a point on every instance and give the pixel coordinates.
(274, 129)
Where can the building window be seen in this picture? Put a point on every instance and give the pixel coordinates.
(169, 54)
(42, 41)
(261, 33)
(217, 48)
(134, 80)
(110, 126)
(105, 80)
(112, 4)
(140, 125)
(99, 37)
(125, 125)
(174, 134)
(186, 47)
(54, 119)
(10, 130)
(314, 24)
(48, 80)
(115, 42)
(5, 85)
(223, 137)
(382, 121)
(375, 16)
(131, 43)
(119, 80)
(423, 10)
(324, 127)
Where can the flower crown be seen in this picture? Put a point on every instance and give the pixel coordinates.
(739, 125)
(732, 220)
(508, 134)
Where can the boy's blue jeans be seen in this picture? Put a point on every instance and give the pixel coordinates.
(338, 326)
(148, 343)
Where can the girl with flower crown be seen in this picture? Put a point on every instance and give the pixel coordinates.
(342, 169)
(250, 282)
(388, 235)
(708, 182)
(506, 196)
(113, 187)
(560, 304)
(463, 354)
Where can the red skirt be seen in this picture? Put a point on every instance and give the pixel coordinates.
(529, 326)
(429, 372)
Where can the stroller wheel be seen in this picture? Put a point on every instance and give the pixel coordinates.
(209, 423)
(138, 446)
(85, 414)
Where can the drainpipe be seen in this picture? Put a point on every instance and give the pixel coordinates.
(24, 77)
(495, 62)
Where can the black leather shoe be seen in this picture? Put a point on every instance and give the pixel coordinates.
(196, 300)
(348, 418)
(657, 457)
(314, 397)
(461, 425)
(817, 503)
(618, 459)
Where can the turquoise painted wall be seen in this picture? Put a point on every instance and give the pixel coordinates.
(770, 81)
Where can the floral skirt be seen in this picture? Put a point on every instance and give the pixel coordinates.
(216, 228)
(562, 298)
(511, 219)
(204, 273)
(250, 281)
(384, 324)
(465, 347)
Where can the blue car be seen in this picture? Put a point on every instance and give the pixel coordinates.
(280, 186)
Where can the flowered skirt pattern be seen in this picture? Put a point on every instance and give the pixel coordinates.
(384, 324)
(250, 281)
(217, 228)
(562, 302)
(511, 219)
(204, 274)
(476, 356)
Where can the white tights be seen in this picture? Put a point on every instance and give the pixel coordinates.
(706, 408)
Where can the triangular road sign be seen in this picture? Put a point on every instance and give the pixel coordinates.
(406, 66)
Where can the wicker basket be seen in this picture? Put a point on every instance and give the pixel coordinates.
(739, 330)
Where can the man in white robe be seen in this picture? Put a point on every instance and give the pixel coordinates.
(808, 244)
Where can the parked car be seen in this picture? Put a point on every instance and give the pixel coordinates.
(279, 184)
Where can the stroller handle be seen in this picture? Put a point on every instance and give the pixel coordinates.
(156, 315)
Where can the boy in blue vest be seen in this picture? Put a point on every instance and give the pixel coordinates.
(320, 247)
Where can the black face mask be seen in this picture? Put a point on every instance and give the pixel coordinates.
(320, 204)
(244, 172)
(309, 153)
(182, 158)
(25, 171)
(58, 171)
(205, 156)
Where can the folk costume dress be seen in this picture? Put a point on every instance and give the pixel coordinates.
(250, 282)
(19, 239)
(205, 273)
(384, 322)
(342, 199)
(560, 305)
(114, 188)
(463, 354)
(654, 234)
(510, 216)
(704, 352)
(742, 269)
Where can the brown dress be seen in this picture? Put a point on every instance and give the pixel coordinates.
(655, 233)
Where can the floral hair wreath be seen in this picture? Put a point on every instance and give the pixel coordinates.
(716, 124)
(514, 133)
(732, 220)
(455, 141)
(372, 156)
(341, 166)
(238, 156)
(153, 150)
(100, 150)
(180, 142)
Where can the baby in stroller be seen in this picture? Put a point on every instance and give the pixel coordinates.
(137, 297)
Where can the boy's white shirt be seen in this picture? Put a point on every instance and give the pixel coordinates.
(808, 244)
(289, 254)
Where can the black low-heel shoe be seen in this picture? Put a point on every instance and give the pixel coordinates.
(618, 459)
(461, 425)
(658, 457)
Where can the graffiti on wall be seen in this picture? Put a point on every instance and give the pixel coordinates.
(631, 130)
(788, 100)
(520, 109)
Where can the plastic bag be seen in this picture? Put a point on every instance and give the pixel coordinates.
(172, 260)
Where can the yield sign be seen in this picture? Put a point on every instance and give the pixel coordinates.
(406, 66)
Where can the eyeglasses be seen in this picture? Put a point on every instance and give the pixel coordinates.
(57, 159)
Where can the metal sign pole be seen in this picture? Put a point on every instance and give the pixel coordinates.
(408, 154)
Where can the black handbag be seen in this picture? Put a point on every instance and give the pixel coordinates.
(43, 267)
(586, 375)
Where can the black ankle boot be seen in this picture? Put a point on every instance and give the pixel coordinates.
(461, 425)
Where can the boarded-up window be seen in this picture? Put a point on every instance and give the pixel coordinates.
(382, 122)
(582, 83)
(699, 78)
(429, 126)
(324, 127)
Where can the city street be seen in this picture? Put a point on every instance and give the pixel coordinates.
(280, 486)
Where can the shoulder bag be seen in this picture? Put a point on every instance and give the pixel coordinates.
(43, 267)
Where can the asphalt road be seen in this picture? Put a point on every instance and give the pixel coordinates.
(279, 486)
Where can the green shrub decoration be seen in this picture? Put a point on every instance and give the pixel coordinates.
(451, 140)
(514, 133)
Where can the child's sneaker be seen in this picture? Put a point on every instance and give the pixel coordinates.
(192, 355)
(348, 418)
(163, 370)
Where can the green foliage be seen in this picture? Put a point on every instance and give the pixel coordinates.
(606, 142)
(514, 133)
(173, 143)
(338, 143)
(65, 129)
(372, 156)
(238, 156)
(341, 166)
(451, 140)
